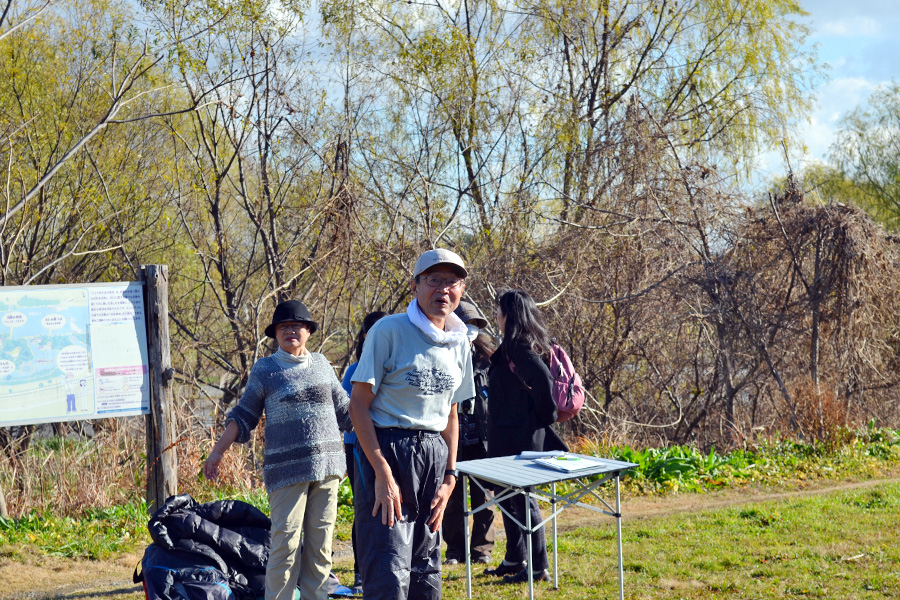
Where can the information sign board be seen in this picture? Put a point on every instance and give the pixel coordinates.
(72, 352)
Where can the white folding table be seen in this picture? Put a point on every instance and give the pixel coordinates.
(509, 476)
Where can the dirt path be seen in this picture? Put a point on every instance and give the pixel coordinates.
(42, 577)
(38, 577)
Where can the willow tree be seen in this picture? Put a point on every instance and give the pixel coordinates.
(81, 159)
(866, 150)
(724, 78)
(258, 185)
(480, 117)
(432, 78)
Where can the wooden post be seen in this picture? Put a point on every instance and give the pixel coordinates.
(162, 461)
(3, 512)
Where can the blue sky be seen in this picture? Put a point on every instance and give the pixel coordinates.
(860, 41)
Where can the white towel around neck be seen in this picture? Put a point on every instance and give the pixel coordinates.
(454, 331)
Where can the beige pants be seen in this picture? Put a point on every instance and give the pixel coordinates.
(308, 509)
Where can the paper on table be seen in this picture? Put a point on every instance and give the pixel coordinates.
(533, 454)
(567, 463)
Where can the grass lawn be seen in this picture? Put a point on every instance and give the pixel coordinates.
(695, 526)
(840, 545)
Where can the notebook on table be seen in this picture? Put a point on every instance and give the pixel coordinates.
(568, 463)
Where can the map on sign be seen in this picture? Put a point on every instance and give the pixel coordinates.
(72, 352)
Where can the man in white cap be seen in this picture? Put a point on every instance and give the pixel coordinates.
(414, 369)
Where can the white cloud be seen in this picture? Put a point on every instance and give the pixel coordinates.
(844, 91)
(852, 27)
(836, 98)
(859, 40)
(818, 136)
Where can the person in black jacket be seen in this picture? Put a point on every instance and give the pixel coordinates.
(520, 412)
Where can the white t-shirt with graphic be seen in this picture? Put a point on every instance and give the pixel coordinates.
(415, 381)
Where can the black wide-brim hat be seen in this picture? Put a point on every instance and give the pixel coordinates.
(291, 311)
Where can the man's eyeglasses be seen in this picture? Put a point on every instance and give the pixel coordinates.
(436, 281)
(285, 327)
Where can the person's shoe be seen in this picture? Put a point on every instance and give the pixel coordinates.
(505, 569)
(484, 559)
(357, 585)
(451, 561)
(522, 576)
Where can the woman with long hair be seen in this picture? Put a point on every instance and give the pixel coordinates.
(521, 410)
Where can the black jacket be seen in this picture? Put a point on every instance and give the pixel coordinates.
(473, 413)
(196, 546)
(520, 405)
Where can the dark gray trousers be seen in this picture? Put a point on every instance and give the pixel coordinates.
(350, 456)
(516, 542)
(403, 561)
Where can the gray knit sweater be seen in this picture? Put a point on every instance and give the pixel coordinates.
(305, 408)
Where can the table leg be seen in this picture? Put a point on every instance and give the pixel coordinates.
(465, 483)
(529, 562)
(619, 539)
(555, 547)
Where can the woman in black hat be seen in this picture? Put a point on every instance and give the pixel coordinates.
(305, 408)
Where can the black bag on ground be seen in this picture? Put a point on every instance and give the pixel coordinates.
(211, 551)
(180, 575)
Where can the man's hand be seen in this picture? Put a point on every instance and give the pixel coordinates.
(387, 492)
(387, 499)
(439, 502)
(450, 434)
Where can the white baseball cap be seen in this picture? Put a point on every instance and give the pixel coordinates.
(440, 256)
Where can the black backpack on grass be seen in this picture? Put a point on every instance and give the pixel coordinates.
(212, 551)
(179, 575)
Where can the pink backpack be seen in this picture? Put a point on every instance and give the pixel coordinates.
(568, 391)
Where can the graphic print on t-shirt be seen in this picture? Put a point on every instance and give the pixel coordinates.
(430, 381)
